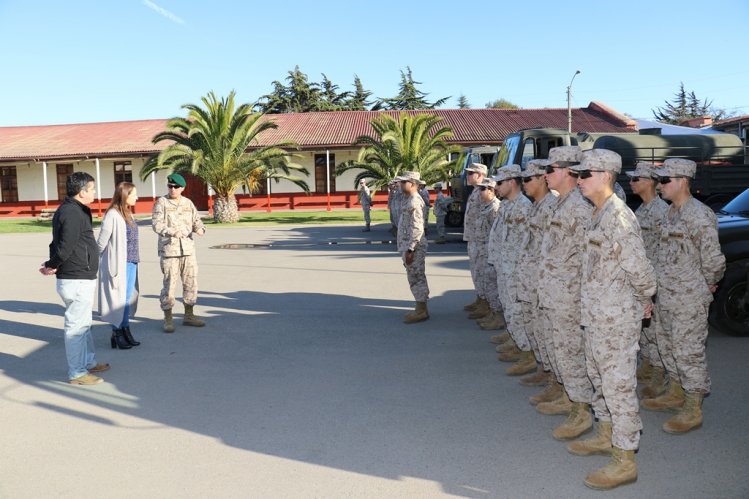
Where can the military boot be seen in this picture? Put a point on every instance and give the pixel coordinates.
(670, 401)
(495, 323)
(168, 321)
(508, 346)
(688, 418)
(509, 356)
(621, 470)
(472, 306)
(577, 423)
(525, 364)
(561, 406)
(500, 338)
(190, 319)
(539, 378)
(481, 310)
(645, 370)
(600, 443)
(552, 392)
(418, 315)
(657, 384)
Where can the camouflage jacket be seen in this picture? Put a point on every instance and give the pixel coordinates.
(411, 223)
(617, 277)
(170, 217)
(365, 197)
(514, 225)
(561, 252)
(689, 258)
(487, 214)
(470, 226)
(650, 217)
(530, 248)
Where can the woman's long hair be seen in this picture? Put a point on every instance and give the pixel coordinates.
(119, 201)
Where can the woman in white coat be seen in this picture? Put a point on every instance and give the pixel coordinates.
(118, 267)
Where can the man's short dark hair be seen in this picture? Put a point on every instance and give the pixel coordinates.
(77, 182)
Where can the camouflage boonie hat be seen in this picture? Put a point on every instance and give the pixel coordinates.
(508, 172)
(488, 182)
(413, 177)
(477, 167)
(535, 167)
(677, 167)
(643, 169)
(564, 155)
(599, 160)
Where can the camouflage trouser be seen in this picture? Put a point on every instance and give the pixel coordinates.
(568, 347)
(681, 343)
(611, 359)
(473, 251)
(416, 274)
(441, 226)
(530, 324)
(184, 268)
(486, 276)
(367, 219)
(513, 311)
(649, 343)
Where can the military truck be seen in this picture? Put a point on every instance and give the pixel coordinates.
(459, 188)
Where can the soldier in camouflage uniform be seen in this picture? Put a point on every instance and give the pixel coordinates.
(475, 174)
(559, 296)
(394, 205)
(534, 185)
(688, 267)
(424, 193)
(175, 219)
(486, 272)
(440, 212)
(412, 244)
(365, 198)
(618, 283)
(649, 215)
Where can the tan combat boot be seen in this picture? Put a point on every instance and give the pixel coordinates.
(418, 315)
(494, 322)
(539, 378)
(621, 470)
(688, 418)
(577, 423)
(561, 406)
(472, 306)
(481, 310)
(500, 338)
(600, 443)
(645, 370)
(190, 319)
(657, 384)
(552, 392)
(525, 364)
(510, 356)
(508, 346)
(168, 321)
(670, 401)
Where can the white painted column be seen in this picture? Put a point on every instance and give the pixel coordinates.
(153, 184)
(98, 184)
(327, 175)
(267, 190)
(46, 189)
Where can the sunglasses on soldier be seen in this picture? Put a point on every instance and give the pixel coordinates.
(528, 179)
(583, 174)
(173, 186)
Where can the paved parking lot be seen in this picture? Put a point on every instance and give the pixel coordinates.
(306, 383)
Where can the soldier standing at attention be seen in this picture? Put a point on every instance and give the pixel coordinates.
(424, 193)
(487, 273)
(440, 212)
(559, 295)
(689, 265)
(618, 283)
(649, 215)
(534, 185)
(475, 174)
(412, 244)
(365, 199)
(175, 219)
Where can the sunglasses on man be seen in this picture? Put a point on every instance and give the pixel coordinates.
(666, 180)
(528, 179)
(486, 188)
(173, 186)
(583, 174)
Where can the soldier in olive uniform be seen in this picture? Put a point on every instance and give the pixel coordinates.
(618, 283)
(175, 220)
(412, 244)
(689, 265)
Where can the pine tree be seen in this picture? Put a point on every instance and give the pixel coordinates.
(409, 96)
(463, 102)
(501, 104)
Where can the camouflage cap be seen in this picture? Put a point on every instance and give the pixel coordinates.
(599, 160)
(677, 167)
(488, 182)
(508, 172)
(564, 155)
(643, 169)
(477, 167)
(535, 167)
(413, 177)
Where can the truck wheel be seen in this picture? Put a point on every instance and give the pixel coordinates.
(454, 219)
(729, 310)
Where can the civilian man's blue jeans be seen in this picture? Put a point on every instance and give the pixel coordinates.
(131, 274)
(78, 297)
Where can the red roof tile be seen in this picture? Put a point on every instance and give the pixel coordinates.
(309, 130)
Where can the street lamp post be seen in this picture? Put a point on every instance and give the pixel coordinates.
(569, 102)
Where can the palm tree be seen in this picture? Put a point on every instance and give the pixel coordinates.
(219, 144)
(410, 143)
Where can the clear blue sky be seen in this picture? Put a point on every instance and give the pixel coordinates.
(94, 60)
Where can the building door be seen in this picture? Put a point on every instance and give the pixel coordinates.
(8, 184)
(320, 169)
(196, 191)
(63, 172)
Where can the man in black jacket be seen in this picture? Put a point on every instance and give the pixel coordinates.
(74, 259)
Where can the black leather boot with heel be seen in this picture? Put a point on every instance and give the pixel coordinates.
(129, 336)
(119, 341)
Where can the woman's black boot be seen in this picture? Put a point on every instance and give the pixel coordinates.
(119, 341)
(129, 336)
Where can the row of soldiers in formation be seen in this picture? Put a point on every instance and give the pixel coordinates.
(570, 274)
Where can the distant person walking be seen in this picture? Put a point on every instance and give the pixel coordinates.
(118, 275)
(365, 198)
(74, 260)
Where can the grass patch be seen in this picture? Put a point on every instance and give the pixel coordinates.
(305, 217)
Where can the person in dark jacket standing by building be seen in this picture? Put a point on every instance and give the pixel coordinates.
(74, 259)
